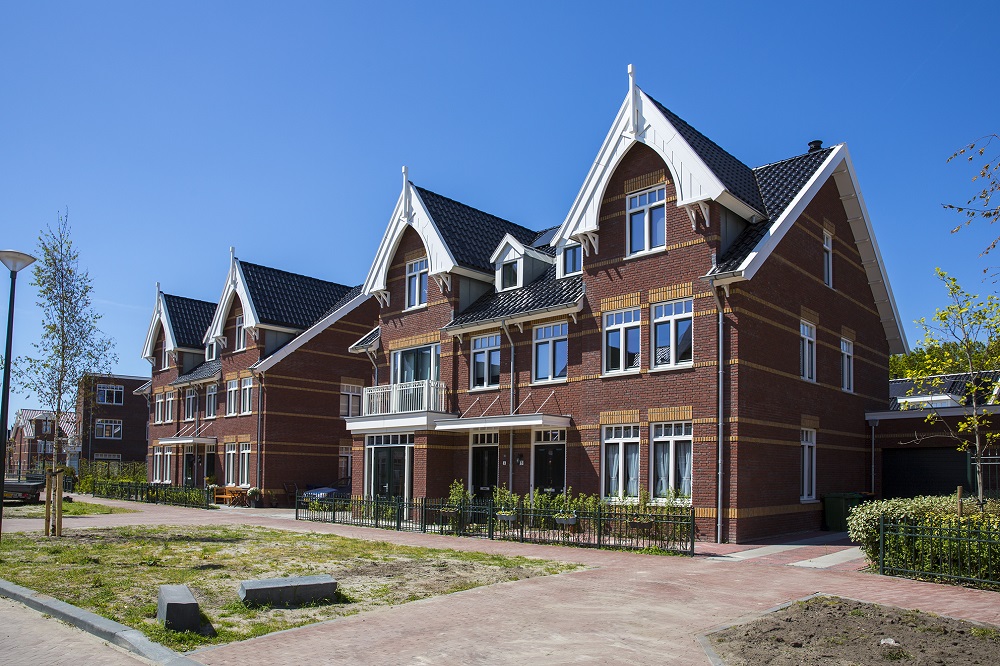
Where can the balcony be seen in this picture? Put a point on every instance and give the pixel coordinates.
(427, 395)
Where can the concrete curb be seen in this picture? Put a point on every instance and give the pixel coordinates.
(131, 639)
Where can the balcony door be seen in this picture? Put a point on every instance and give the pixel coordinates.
(416, 364)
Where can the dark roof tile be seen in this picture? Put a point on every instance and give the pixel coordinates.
(367, 341)
(289, 299)
(189, 319)
(544, 293)
(205, 370)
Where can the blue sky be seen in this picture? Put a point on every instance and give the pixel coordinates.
(174, 130)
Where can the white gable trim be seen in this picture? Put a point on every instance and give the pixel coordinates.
(309, 334)
(521, 249)
(160, 320)
(838, 164)
(410, 211)
(694, 181)
(236, 285)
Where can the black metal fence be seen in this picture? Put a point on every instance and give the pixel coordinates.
(960, 550)
(620, 527)
(153, 493)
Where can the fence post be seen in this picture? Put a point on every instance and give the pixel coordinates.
(423, 514)
(691, 551)
(600, 526)
(520, 512)
(399, 513)
(296, 507)
(490, 517)
(881, 544)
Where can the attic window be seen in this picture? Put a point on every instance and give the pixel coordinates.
(508, 275)
(416, 283)
(241, 334)
(210, 351)
(572, 259)
(647, 221)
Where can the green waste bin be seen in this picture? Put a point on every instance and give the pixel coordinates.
(836, 508)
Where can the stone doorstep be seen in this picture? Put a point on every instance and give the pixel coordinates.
(289, 591)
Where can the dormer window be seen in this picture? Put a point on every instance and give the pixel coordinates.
(572, 259)
(210, 351)
(416, 283)
(647, 221)
(509, 275)
(241, 334)
(165, 361)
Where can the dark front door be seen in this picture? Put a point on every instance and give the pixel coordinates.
(390, 470)
(188, 469)
(484, 470)
(550, 468)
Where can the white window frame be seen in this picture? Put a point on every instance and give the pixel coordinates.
(46, 427)
(807, 465)
(621, 321)
(396, 367)
(345, 461)
(567, 250)
(847, 365)
(165, 361)
(241, 335)
(417, 272)
(633, 207)
(157, 463)
(245, 464)
(108, 429)
(115, 391)
(168, 409)
(229, 464)
(670, 434)
(372, 442)
(190, 404)
(211, 352)
(232, 396)
(671, 313)
(211, 401)
(168, 464)
(484, 346)
(506, 269)
(350, 399)
(807, 351)
(483, 438)
(546, 437)
(246, 395)
(621, 437)
(828, 259)
(158, 408)
(549, 335)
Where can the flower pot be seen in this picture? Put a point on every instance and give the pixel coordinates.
(565, 520)
(507, 517)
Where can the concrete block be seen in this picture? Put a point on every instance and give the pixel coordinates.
(177, 609)
(292, 591)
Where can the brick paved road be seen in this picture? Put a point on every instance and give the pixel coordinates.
(626, 608)
(29, 638)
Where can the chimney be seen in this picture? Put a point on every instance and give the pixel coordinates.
(815, 144)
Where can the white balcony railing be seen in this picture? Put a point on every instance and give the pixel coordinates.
(427, 395)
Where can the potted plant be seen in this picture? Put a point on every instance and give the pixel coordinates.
(254, 494)
(565, 514)
(505, 503)
(458, 496)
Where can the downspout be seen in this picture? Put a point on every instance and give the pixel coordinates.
(513, 382)
(260, 432)
(873, 425)
(719, 413)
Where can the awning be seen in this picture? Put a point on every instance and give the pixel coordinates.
(505, 421)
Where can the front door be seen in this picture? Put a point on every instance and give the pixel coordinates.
(550, 468)
(390, 469)
(484, 471)
(189, 469)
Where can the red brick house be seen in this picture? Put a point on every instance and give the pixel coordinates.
(248, 391)
(113, 418)
(694, 327)
(32, 440)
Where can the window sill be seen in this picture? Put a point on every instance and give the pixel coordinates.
(549, 382)
(645, 253)
(210, 418)
(806, 379)
(244, 414)
(670, 368)
(809, 500)
(626, 373)
(422, 306)
(484, 389)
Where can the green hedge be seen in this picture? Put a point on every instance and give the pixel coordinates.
(862, 523)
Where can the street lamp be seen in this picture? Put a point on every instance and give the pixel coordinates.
(14, 261)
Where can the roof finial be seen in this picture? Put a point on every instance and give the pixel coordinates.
(157, 289)
(232, 254)
(406, 194)
(633, 121)
(631, 76)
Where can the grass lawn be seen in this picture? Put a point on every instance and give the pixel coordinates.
(77, 508)
(116, 573)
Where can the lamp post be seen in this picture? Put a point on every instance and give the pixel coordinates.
(14, 261)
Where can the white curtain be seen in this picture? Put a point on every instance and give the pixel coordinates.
(661, 455)
(612, 463)
(683, 462)
(632, 470)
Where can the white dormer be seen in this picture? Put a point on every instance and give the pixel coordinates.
(236, 287)
(160, 321)
(517, 264)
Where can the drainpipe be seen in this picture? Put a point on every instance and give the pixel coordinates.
(513, 381)
(719, 413)
(260, 432)
(873, 425)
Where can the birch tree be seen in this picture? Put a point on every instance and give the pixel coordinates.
(71, 343)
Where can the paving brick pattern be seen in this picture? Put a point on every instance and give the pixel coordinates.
(625, 608)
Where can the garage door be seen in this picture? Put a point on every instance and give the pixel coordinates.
(934, 471)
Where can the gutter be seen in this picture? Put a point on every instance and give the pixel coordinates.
(513, 382)
(567, 308)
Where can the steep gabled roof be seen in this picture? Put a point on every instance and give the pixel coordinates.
(544, 294)
(25, 419)
(737, 177)
(471, 234)
(288, 299)
(189, 319)
(779, 183)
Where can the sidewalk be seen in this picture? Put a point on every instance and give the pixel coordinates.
(625, 608)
